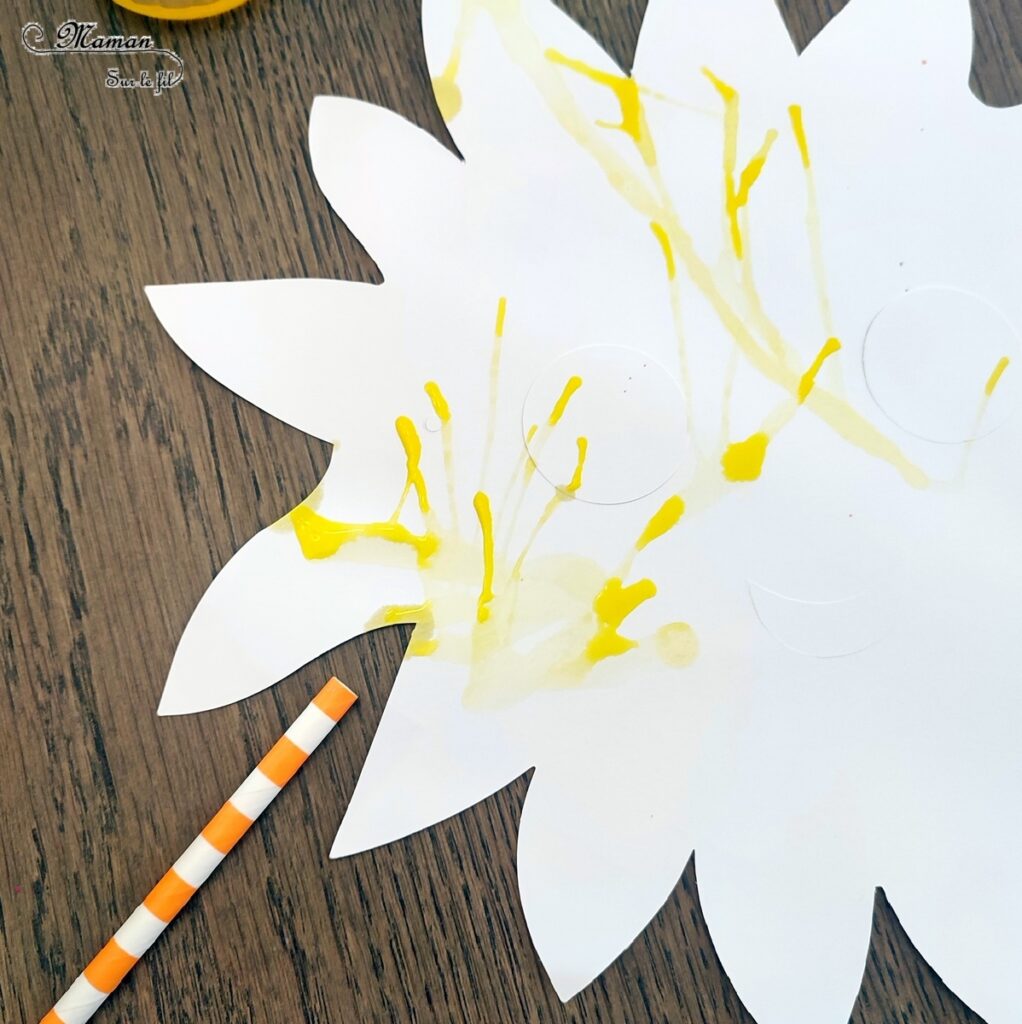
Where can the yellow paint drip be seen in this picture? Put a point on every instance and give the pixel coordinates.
(422, 642)
(498, 329)
(320, 537)
(742, 461)
(798, 128)
(808, 381)
(665, 245)
(576, 478)
(438, 401)
(481, 503)
(677, 644)
(448, 95)
(663, 520)
(412, 445)
(995, 378)
(574, 383)
(626, 92)
(753, 169)
(736, 196)
(612, 606)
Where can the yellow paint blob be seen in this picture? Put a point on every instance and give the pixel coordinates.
(439, 403)
(665, 245)
(576, 478)
(742, 461)
(320, 537)
(448, 96)
(574, 383)
(995, 378)
(481, 503)
(612, 606)
(798, 128)
(664, 519)
(736, 196)
(626, 92)
(677, 644)
(501, 314)
(409, 437)
(808, 380)
(422, 642)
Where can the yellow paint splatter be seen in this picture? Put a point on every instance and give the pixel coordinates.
(995, 377)
(498, 329)
(808, 381)
(742, 461)
(736, 196)
(574, 383)
(447, 93)
(677, 644)
(753, 169)
(798, 128)
(664, 519)
(481, 503)
(413, 453)
(626, 92)
(665, 245)
(422, 642)
(576, 478)
(438, 401)
(443, 413)
(612, 606)
(491, 426)
(320, 537)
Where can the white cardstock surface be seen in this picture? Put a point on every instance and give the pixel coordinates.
(788, 289)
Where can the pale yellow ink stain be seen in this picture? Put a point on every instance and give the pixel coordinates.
(443, 413)
(677, 644)
(742, 461)
(422, 642)
(995, 377)
(808, 380)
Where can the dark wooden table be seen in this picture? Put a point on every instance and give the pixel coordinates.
(129, 478)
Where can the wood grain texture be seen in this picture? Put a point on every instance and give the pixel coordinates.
(129, 478)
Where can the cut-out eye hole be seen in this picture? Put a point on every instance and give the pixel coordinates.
(608, 424)
(943, 364)
(824, 629)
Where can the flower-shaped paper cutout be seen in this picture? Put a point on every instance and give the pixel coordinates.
(796, 655)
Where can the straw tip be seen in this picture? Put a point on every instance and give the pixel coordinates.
(335, 698)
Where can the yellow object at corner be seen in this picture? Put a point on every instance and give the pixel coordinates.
(180, 10)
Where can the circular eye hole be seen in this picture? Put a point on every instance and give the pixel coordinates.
(628, 409)
(943, 364)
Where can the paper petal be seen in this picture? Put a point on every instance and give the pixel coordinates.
(789, 923)
(718, 34)
(933, 42)
(598, 854)
(270, 610)
(424, 765)
(392, 183)
(301, 350)
(476, 66)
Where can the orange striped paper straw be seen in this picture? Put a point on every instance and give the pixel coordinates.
(108, 969)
